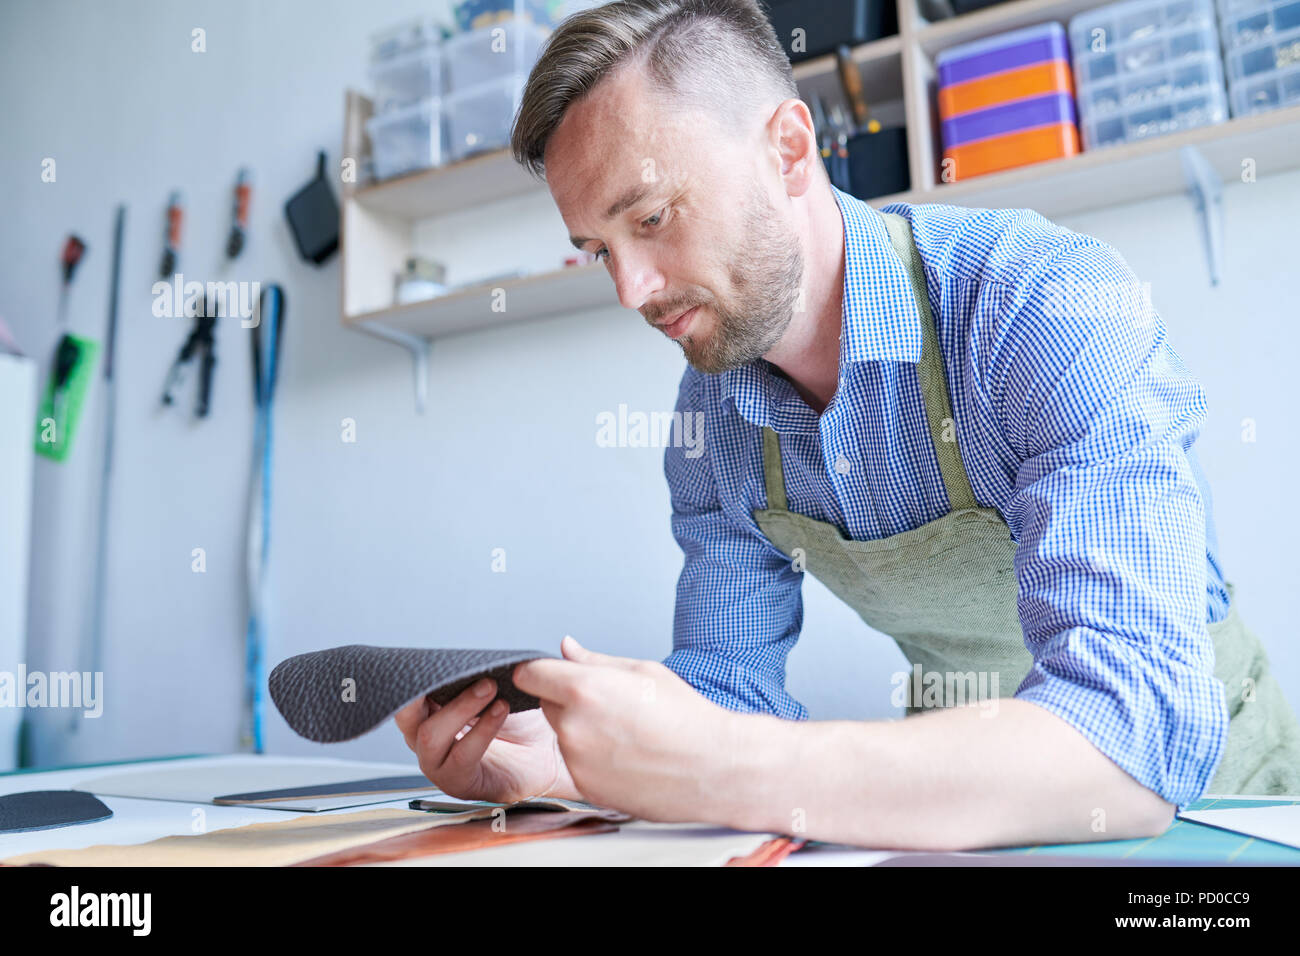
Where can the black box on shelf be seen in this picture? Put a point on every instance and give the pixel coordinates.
(828, 23)
(878, 163)
(969, 6)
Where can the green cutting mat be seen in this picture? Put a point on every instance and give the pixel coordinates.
(1185, 840)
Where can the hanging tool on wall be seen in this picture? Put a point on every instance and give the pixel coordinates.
(201, 342)
(266, 367)
(91, 655)
(313, 215)
(172, 237)
(73, 368)
(73, 250)
(239, 215)
(851, 81)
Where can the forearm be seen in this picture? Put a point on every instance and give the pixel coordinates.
(960, 778)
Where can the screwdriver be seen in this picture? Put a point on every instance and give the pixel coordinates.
(67, 352)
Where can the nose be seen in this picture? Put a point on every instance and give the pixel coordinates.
(636, 278)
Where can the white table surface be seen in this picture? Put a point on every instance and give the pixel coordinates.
(141, 820)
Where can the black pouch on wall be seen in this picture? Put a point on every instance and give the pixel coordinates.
(828, 23)
(313, 216)
(878, 163)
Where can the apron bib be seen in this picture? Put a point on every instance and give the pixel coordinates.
(946, 592)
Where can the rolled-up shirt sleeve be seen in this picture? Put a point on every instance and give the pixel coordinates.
(739, 603)
(1111, 546)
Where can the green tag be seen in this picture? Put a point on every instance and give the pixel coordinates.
(55, 427)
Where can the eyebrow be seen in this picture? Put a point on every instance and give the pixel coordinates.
(630, 198)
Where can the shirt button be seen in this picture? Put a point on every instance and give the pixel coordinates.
(842, 465)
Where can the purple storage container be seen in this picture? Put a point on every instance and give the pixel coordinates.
(1009, 118)
(1005, 51)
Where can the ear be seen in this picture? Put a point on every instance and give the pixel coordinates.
(793, 141)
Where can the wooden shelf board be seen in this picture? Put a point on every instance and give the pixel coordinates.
(941, 34)
(527, 298)
(866, 55)
(444, 189)
(1127, 173)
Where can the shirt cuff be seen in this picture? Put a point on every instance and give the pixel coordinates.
(734, 686)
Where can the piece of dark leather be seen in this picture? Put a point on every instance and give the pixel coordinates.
(348, 788)
(48, 809)
(344, 692)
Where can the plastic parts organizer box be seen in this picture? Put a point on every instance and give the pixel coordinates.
(1146, 68)
(1261, 46)
(1006, 101)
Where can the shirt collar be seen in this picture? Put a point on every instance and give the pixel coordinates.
(881, 320)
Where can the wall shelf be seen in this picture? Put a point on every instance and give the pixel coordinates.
(447, 189)
(527, 298)
(930, 38)
(380, 222)
(1127, 173)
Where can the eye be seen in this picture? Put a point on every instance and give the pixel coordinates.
(603, 254)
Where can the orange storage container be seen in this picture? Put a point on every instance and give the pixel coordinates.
(1014, 149)
(1037, 79)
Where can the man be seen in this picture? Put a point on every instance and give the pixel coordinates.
(967, 423)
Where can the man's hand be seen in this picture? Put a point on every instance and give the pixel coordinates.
(634, 735)
(496, 756)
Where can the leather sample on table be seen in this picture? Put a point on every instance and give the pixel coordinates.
(347, 788)
(48, 809)
(276, 843)
(516, 827)
(339, 694)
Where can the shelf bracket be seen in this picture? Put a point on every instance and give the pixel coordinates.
(1205, 189)
(418, 346)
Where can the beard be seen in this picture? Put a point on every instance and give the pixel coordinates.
(766, 275)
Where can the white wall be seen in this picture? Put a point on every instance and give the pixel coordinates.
(389, 540)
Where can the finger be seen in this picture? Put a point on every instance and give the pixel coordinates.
(574, 651)
(469, 725)
(548, 679)
(437, 734)
(409, 718)
(469, 750)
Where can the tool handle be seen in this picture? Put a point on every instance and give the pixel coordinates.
(205, 383)
(851, 80)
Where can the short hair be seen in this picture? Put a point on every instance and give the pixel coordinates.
(696, 53)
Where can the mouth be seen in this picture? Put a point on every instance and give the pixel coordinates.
(678, 326)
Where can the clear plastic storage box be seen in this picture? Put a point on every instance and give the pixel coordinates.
(406, 139)
(1146, 68)
(1198, 74)
(404, 37)
(409, 77)
(1270, 91)
(1170, 116)
(1117, 25)
(479, 118)
(475, 14)
(1261, 53)
(491, 53)
(1249, 22)
(1278, 52)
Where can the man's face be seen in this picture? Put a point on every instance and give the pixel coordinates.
(693, 226)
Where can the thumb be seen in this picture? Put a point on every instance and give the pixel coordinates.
(574, 651)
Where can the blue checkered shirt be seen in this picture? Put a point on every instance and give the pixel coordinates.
(1075, 419)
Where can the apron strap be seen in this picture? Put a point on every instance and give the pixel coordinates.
(930, 373)
(773, 474)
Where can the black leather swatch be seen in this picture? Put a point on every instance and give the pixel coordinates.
(48, 809)
(347, 788)
(312, 691)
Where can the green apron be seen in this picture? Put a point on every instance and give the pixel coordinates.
(946, 592)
